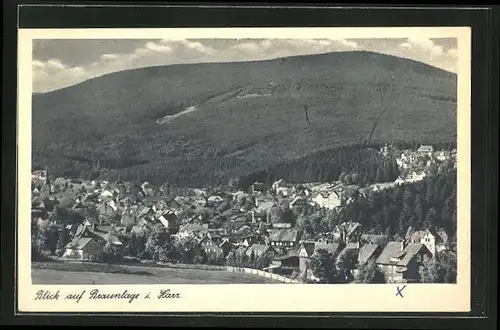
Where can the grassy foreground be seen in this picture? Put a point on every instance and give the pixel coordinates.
(73, 273)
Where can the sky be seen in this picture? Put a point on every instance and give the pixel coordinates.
(58, 63)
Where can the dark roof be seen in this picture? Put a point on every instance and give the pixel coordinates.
(192, 227)
(108, 235)
(393, 250)
(443, 237)
(352, 228)
(258, 249)
(330, 247)
(388, 252)
(374, 239)
(411, 250)
(79, 243)
(366, 252)
(308, 246)
(290, 254)
(285, 235)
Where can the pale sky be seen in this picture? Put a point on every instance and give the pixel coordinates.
(62, 63)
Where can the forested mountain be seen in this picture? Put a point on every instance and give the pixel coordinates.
(197, 124)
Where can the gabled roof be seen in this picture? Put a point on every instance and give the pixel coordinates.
(373, 238)
(366, 252)
(443, 237)
(330, 247)
(411, 250)
(290, 254)
(265, 206)
(79, 243)
(308, 246)
(393, 250)
(192, 227)
(388, 252)
(417, 235)
(352, 228)
(258, 249)
(297, 199)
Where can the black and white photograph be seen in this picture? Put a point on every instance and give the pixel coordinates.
(172, 160)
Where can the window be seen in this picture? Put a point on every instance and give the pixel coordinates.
(419, 257)
(427, 239)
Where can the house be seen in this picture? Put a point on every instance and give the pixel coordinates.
(169, 219)
(211, 248)
(244, 235)
(425, 150)
(257, 186)
(289, 260)
(403, 263)
(128, 199)
(281, 225)
(328, 200)
(35, 192)
(260, 250)
(106, 194)
(37, 203)
(102, 234)
(414, 177)
(215, 199)
(262, 210)
(442, 241)
(347, 260)
(193, 229)
(400, 180)
(276, 185)
(226, 246)
(368, 252)
(374, 239)
(434, 241)
(298, 201)
(262, 228)
(348, 232)
(284, 238)
(442, 156)
(128, 219)
(106, 209)
(83, 248)
(40, 176)
(306, 250)
(283, 191)
(147, 189)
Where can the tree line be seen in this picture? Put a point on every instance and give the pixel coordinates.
(356, 165)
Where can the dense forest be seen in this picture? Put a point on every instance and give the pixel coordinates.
(365, 165)
(425, 204)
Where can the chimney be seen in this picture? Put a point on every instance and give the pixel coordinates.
(403, 244)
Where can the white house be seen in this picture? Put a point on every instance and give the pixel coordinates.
(425, 150)
(82, 248)
(329, 200)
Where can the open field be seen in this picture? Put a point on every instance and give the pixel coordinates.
(144, 275)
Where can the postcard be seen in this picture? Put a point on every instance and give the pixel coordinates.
(244, 170)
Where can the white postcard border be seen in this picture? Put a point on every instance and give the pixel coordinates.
(250, 297)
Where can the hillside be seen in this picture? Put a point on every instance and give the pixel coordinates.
(202, 123)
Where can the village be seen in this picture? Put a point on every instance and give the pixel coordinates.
(232, 227)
